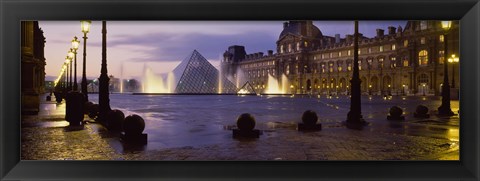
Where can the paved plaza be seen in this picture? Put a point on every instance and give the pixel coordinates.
(175, 134)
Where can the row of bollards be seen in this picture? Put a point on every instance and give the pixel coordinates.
(396, 113)
(246, 125)
(132, 126)
(246, 122)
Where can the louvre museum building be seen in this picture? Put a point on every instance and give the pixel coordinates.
(398, 61)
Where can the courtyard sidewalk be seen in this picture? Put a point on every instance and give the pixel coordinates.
(44, 137)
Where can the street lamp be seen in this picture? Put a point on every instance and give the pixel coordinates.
(70, 57)
(65, 72)
(75, 44)
(423, 89)
(85, 25)
(403, 89)
(68, 61)
(370, 89)
(444, 109)
(453, 60)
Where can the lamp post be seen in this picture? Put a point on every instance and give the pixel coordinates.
(85, 25)
(354, 117)
(444, 109)
(65, 78)
(453, 60)
(75, 43)
(423, 89)
(70, 57)
(69, 70)
(403, 89)
(103, 94)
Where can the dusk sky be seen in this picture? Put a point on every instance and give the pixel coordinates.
(163, 44)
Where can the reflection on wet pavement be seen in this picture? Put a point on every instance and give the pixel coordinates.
(186, 127)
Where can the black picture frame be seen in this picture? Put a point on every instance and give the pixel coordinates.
(12, 12)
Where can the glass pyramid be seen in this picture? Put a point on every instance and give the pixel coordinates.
(247, 88)
(195, 75)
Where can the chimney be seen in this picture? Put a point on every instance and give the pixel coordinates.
(270, 52)
(337, 38)
(260, 54)
(380, 33)
(349, 38)
(285, 24)
(391, 30)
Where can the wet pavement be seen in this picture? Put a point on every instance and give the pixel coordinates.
(199, 128)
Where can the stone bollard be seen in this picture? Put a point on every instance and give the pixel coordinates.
(74, 108)
(58, 97)
(309, 122)
(246, 125)
(94, 111)
(396, 113)
(49, 98)
(133, 127)
(115, 120)
(421, 112)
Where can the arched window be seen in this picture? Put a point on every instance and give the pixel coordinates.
(423, 58)
(298, 46)
(289, 47)
(281, 48)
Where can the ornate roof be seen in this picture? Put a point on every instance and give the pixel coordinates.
(301, 28)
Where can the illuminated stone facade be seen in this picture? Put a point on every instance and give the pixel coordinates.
(406, 60)
(32, 66)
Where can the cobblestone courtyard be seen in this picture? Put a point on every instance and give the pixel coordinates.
(45, 137)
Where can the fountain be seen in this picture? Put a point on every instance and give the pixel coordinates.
(153, 83)
(274, 87)
(121, 78)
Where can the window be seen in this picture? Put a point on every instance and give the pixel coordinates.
(441, 56)
(423, 58)
(305, 44)
(349, 67)
(289, 47)
(405, 63)
(359, 65)
(381, 49)
(314, 57)
(393, 47)
(369, 50)
(393, 63)
(422, 40)
(288, 69)
(441, 38)
(323, 56)
(349, 53)
(339, 54)
(423, 79)
(339, 68)
(380, 61)
(281, 48)
(423, 25)
(359, 51)
(330, 56)
(405, 43)
(298, 46)
(323, 68)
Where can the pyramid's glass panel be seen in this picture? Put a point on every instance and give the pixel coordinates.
(196, 75)
(247, 88)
